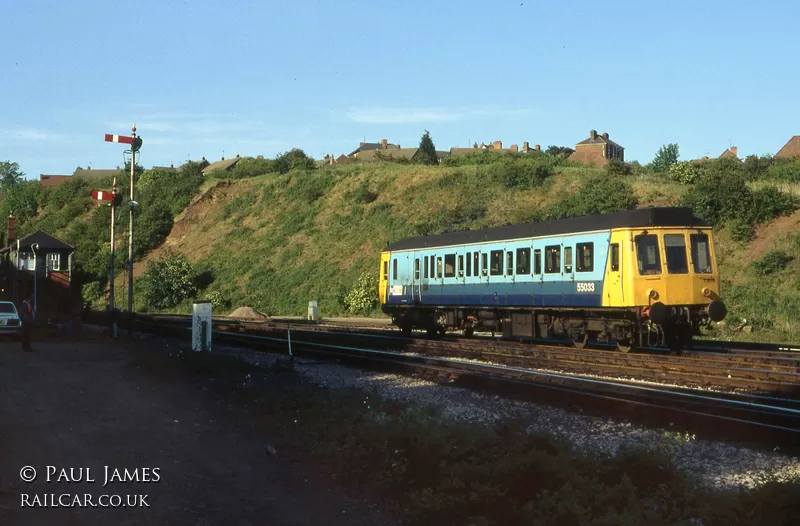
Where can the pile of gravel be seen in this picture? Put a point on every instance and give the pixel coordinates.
(719, 464)
(247, 313)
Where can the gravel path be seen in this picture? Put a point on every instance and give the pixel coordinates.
(719, 464)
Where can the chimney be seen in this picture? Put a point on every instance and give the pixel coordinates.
(514, 148)
(498, 145)
(12, 228)
(237, 155)
(593, 135)
(384, 144)
(605, 136)
(537, 148)
(259, 157)
(525, 147)
(735, 151)
(171, 165)
(475, 145)
(361, 144)
(89, 167)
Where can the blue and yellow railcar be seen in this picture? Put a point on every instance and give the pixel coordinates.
(639, 277)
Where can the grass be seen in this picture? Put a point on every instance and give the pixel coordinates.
(431, 471)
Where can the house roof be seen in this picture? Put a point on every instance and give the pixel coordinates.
(224, 164)
(395, 153)
(790, 149)
(51, 179)
(598, 139)
(458, 152)
(89, 172)
(729, 154)
(642, 217)
(374, 146)
(46, 242)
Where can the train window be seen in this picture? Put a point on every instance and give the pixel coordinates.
(475, 264)
(614, 257)
(497, 263)
(416, 269)
(460, 266)
(469, 263)
(509, 263)
(484, 263)
(701, 256)
(394, 270)
(449, 265)
(552, 259)
(385, 271)
(585, 257)
(675, 249)
(425, 268)
(647, 254)
(537, 261)
(568, 260)
(523, 260)
(439, 268)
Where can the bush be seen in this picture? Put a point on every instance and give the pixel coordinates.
(363, 297)
(784, 170)
(168, 281)
(686, 172)
(520, 174)
(295, 159)
(772, 262)
(717, 198)
(617, 168)
(599, 195)
(91, 292)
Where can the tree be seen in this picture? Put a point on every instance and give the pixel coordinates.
(294, 159)
(168, 281)
(667, 156)
(10, 175)
(563, 151)
(427, 151)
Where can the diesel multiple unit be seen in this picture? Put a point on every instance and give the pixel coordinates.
(640, 277)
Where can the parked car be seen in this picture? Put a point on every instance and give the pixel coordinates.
(10, 322)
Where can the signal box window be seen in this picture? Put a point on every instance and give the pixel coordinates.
(523, 260)
(537, 261)
(701, 257)
(585, 257)
(496, 268)
(647, 254)
(469, 264)
(425, 267)
(568, 260)
(552, 259)
(460, 266)
(509, 263)
(449, 265)
(394, 270)
(614, 257)
(675, 248)
(484, 263)
(416, 269)
(439, 268)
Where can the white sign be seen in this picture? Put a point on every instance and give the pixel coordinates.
(201, 326)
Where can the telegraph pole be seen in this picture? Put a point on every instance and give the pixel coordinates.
(113, 246)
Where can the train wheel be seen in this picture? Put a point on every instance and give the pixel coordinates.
(469, 331)
(432, 331)
(581, 342)
(406, 330)
(624, 345)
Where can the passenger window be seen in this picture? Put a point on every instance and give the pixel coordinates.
(425, 265)
(449, 265)
(460, 266)
(523, 260)
(585, 259)
(568, 260)
(675, 248)
(497, 263)
(433, 266)
(416, 269)
(614, 257)
(647, 254)
(476, 263)
(701, 256)
(552, 259)
(509, 263)
(394, 270)
(385, 270)
(484, 263)
(469, 264)
(537, 261)
(439, 268)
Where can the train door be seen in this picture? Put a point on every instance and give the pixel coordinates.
(416, 279)
(568, 273)
(537, 276)
(612, 287)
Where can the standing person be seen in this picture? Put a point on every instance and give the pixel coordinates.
(28, 316)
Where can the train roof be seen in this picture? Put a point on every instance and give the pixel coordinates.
(641, 217)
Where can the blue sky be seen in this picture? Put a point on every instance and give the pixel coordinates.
(201, 78)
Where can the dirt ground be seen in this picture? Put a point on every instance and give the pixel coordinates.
(85, 405)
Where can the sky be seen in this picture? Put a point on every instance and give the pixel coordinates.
(210, 79)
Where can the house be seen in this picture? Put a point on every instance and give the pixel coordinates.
(370, 146)
(95, 174)
(38, 265)
(597, 150)
(52, 180)
(395, 153)
(202, 164)
(730, 153)
(496, 146)
(222, 165)
(791, 150)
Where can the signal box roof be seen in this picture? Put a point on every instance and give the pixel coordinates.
(641, 217)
